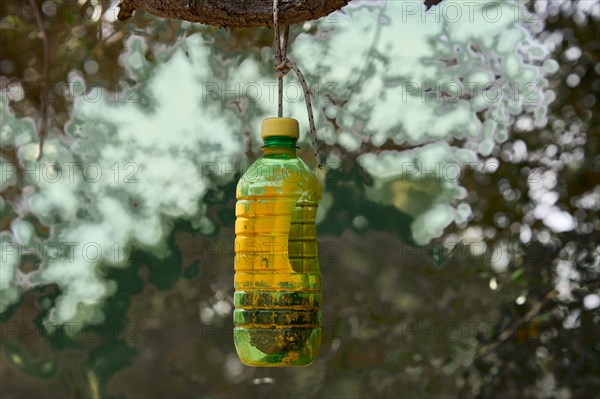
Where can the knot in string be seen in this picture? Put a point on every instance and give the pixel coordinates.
(282, 67)
(280, 42)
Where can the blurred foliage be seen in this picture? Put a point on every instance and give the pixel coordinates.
(563, 353)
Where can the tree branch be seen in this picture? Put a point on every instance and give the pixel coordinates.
(431, 3)
(238, 14)
(506, 334)
(233, 13)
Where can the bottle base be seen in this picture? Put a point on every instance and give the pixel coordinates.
(287, 347)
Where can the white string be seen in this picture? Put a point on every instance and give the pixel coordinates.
(282, 66)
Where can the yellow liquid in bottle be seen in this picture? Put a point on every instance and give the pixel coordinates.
(277, 315)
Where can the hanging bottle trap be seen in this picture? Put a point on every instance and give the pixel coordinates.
(277, 317)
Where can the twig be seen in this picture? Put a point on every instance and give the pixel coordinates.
(44, 94)
(99, 37)
(100, 33)
(506, 334)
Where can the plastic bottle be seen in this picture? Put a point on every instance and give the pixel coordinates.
(277, 317)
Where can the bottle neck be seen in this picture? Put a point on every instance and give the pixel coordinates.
(279, 145)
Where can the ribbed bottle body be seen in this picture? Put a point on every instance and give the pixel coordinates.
(277, 318)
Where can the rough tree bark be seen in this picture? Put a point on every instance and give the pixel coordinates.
(234, 13)
(238, 13)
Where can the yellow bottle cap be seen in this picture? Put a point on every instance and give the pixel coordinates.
(287, 127)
